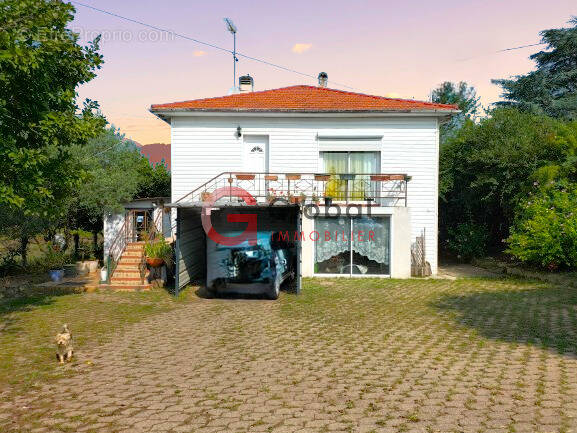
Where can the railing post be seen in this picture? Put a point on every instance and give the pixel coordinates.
(108, 269)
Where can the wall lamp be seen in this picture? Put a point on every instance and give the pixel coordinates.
(238, 132)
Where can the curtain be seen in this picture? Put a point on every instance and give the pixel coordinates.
(359, 163)
(326, 249)
(333, 163)
(378, 248)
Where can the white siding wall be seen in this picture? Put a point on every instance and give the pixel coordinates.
(203, 147)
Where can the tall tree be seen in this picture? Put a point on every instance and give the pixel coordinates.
(552, 87)
(491, 165)
(461, 94)
(41, 64)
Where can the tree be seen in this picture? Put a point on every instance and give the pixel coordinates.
(155, 181)
(41, 64)
(464, 96)
(115, 173)
(552, 87)
(489, 167)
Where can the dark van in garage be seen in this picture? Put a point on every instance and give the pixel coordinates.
(250, 269)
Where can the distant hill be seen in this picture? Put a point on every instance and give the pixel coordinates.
(156, 152)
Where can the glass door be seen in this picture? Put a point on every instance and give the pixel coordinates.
(353, 246)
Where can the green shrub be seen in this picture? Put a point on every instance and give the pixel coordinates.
(545, 232)
(467, 241)
(159, 249)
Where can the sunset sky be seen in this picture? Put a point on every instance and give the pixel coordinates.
(400, 49)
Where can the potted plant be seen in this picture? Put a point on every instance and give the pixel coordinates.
(293, 176)
(315, 198)
(158, 252)
(302, 197)
(328, 201)
(322, 177)
(54, 258)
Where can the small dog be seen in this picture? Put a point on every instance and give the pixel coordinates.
(64, 345)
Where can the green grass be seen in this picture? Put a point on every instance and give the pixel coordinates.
(28, 325)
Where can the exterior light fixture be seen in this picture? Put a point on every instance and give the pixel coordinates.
(238, 132)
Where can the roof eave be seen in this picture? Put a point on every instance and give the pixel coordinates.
(166, 113)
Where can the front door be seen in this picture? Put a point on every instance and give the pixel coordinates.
(256, 148)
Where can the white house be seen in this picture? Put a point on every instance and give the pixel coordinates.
(373, 156)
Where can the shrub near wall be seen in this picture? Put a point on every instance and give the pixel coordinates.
(545, 232)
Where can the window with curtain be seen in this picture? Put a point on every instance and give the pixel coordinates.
(357, 163)
(348, 249)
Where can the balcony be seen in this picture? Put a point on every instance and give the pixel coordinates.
(376, 189)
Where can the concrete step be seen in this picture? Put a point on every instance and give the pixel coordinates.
(122, 273)
(129, 259)
(132, 253)
(126, 287)
(128, 266)
(126, 281)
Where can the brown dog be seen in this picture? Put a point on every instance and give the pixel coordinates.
(64, 345)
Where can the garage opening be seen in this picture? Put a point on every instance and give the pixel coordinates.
(273, 263)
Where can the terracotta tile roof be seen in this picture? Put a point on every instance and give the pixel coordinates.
(303, 99)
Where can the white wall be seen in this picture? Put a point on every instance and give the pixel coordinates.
(203, 147)
(112, 225)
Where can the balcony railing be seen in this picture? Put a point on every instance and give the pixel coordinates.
(375, 189)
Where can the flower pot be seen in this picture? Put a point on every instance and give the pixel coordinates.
(154, 262)
(293, 176)
(322, 177)
(92, 265)
(347, 176)
(328, 201)
(56, 275)
(82, 267)
(397, 177)
(270, 177)
(245, 176)
(380, 177)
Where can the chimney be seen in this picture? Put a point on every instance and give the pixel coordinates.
(245, 84)
(323, 79)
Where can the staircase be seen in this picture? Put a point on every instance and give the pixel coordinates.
(127, 273)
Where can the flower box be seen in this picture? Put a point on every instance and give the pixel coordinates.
(322, 177)
(293, 176)
(397, 177)
(380, 177)
(347, 176)
(270, 177)
(245, 176)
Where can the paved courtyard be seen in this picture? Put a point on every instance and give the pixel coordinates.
(479, 355)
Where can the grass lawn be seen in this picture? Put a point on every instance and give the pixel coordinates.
(28, 326)
(356, 355)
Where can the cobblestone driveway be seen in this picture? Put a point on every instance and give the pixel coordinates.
(347, 355)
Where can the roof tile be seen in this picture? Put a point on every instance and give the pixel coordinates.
(302, 99)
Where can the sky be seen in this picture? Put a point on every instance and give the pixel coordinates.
(387, 48)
